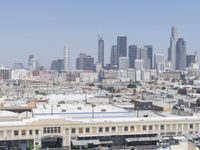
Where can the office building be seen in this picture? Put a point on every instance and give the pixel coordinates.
(33, 64)
(100, 50)
(134, 53)
(5, 73)
(172, 48)
(123, 63)
(180, 54)
(149, 56)
(113, 56)
(190, 59)
(66, 59)
(18, 66)
(121, 47)
(57, 65)
(85, 62)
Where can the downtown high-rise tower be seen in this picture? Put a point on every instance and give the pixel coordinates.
(121, 47)
(100, 50)
(172, 48)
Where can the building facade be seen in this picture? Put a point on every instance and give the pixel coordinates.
(56, 131)
(123, 63)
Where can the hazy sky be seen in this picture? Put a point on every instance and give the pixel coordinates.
(43, 27)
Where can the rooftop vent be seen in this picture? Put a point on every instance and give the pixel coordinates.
(103, 110)
(63, 110)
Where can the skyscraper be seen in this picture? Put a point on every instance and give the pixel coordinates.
(133, 54)
(113, 56)
(149, 56)
(159, 62)
(85, 62)
(181, 54)
(57, 65)
(33, 64)
(66, 59)
(190, 59)
(100, 50)
(30, 61)
(144, 56)
(121, 47)
(172, 48)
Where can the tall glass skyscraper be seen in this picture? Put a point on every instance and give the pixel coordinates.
(113, 56)
(133, 54)
(149, 56)
(121, 47)
(100, 50)
(172, 48)
(180, 54)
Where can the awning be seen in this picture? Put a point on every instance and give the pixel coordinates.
(85, 142)
(142, 139)
(106, 142)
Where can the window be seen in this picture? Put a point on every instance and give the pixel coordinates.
(59, 130)
(144, 128)
(48, 130)
(23, 132)
(16, 133)
(55, 130)
(51, 129)
(45, 130)
(30, 132)
(87, 130)
(162, 127)
(80, 130)
(36, 132)
(126, 128)
(191, 126)
(132, 128)
(113, 129)
(107, 129)
(73, 130)
(150, 127)
(100, 129)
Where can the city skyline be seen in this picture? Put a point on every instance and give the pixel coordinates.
(27, 30)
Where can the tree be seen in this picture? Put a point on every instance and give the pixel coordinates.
(198, 91)
(131, 86)
(163, 88)
(198, 102)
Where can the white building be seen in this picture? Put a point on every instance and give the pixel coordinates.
(159, 62)
(139, 64)
(123, 63)
(19, 74)
(89, 77)
(138, 75)
(146, 76)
